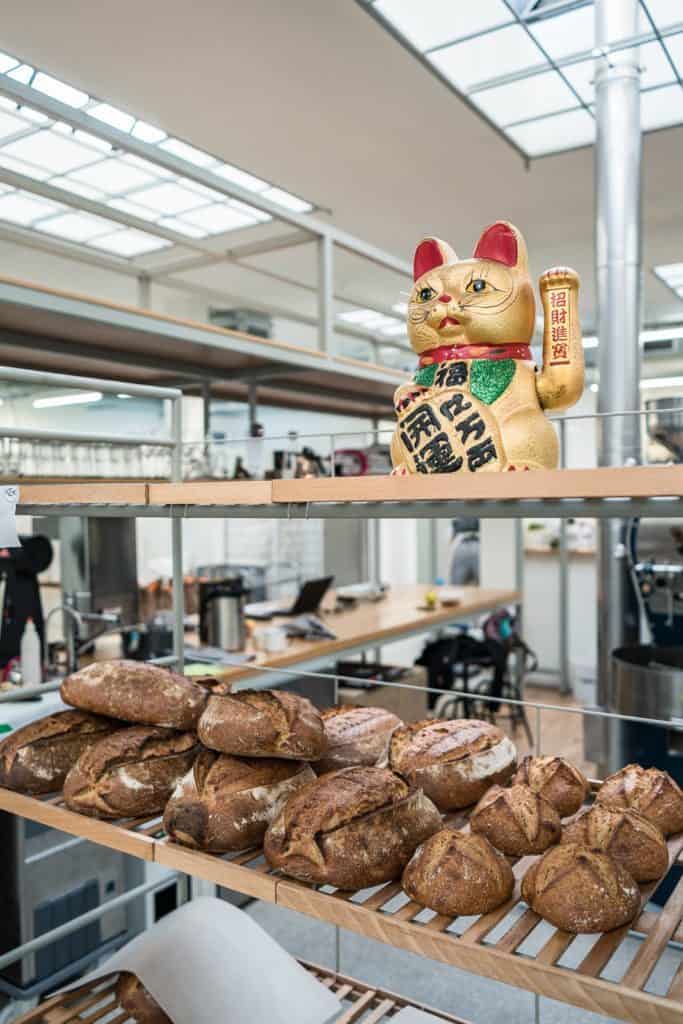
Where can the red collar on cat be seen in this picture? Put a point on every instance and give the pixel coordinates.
(444, 353)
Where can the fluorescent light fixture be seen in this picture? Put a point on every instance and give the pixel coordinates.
(23, 208)
(22, 168)
(532, 97)
(590, 341)
(241, 178)
(189, 153)
(661, 382)
(10, 125)
(661, 108)
(60, 90)
(7, 62)
(135, 209)
(113, 176)
(182, 227)
(130, 242)
(24, 73)
(49, 150)
(286, 199)
(435, 22)
(113, 116)
(493, 54)
(123, 396)
(78, 188)
(80, 398)
(168, 198)
(555, 133)
(218, 218)
(147, 133)
(76, 226)
(565, 34)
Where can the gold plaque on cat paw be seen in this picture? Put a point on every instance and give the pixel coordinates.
(476, 401)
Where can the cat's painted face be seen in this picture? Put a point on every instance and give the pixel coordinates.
(487, 300)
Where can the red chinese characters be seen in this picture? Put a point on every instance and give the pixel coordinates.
(559, 329)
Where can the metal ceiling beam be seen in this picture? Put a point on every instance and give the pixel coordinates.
(24, 94)
(236, 252)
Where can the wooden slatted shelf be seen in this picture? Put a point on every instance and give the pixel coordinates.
(97, 1000)
(494, 945)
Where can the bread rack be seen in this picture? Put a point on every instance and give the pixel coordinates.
(500, 945)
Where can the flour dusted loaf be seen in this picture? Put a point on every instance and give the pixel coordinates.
(556, 779)
(581, 890)
(226, 803)
(36, 758)
(138, 1002)
(130, 773)
(457, 873)
(626, 835)
(136, 692)
(650, 791)
(453, 761)
(516, 820)
(356, 735)
(263, 723)
(351, 828)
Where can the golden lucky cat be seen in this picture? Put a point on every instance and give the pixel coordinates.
(476, 402)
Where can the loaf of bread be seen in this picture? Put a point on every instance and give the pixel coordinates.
(516, 820)
(650, 791)
(581, 890)
(626, 835)
(136, 692)
(138, 1002)
(263, 723)
(36, 758)
(226, 803)
(453, 761)
(556, 779)
(356, 735)
(457, 873)
(352, 828)
(131, 773)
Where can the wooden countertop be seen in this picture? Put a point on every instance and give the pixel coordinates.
(367, 624)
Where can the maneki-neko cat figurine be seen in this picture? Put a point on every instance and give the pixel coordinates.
(476, 402)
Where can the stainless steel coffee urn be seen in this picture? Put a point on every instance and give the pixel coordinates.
(221, 613)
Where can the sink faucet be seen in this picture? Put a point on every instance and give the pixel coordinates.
(71, 636)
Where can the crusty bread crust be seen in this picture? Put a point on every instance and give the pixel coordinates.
(453, 761)
(263, 723)
(138, 1002)
(130, 773)
(652, 792)
(352, 828)
(356, 735)
(135, 691)
(457, 873)
(556, 779)
(626, 835)
(36, 758)
(226, 803)
(516, 820)
(581, 890)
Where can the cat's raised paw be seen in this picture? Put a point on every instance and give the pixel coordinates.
(558, 277)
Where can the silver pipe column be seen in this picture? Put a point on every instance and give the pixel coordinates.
(618, 264)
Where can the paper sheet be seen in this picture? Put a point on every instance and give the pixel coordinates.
(409, 1015)
(209, 963)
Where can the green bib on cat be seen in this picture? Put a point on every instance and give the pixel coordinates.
(489, 378)
(425, 375)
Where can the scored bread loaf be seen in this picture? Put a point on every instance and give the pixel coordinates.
(130, 773)
(556, 779)
(36, 758)
(516, 821)
(135, 691)
(454, 761)
(225, 803)
(626, 835)
(458, 873)
(581, 890)
(263, 723)
(650, 791)
(351, 828)
(138, 1002)
(356, 735)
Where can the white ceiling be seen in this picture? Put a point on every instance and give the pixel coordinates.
(316, 97)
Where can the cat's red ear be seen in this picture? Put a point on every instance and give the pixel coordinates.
(503, 243)
(430, 253)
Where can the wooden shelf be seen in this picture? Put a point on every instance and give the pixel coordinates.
(386, 914)
(96, 1001)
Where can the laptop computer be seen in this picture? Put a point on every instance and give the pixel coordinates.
(307, 600)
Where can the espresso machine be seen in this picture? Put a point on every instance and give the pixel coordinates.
(221, 612)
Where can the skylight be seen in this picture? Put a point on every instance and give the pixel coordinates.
(372, 320)
(41, 149)
(531, 74)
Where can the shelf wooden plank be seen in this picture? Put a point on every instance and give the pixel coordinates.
(83, 494)
(628, 482)
(213, 868)
(212, 492)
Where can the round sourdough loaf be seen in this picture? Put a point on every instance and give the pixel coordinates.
(581, 890)
(138, 1002)
(357, 735)
(263, 723)
(626, 835)
(453, 761)
(134, 691)
(457, 873)
(36, 758)
(131, 773)
(650, 791)
(226, 803)
(556, 779)
(351, 828)
(516, 821)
